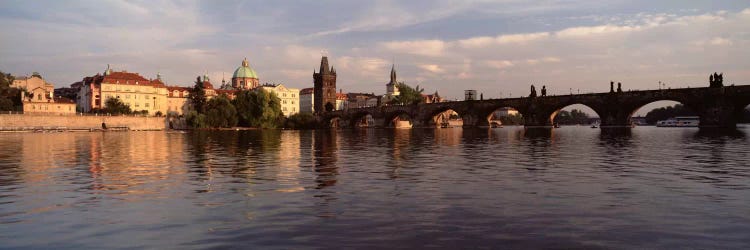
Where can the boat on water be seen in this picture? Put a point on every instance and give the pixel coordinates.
(680, 121)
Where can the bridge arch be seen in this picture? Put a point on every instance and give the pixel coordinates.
(443, 117)
(361, 119)
(579, 114)
(505, 115)
(660, 109)
(399, 118)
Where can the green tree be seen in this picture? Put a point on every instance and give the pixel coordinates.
(304, 120)
(408, 95)
(198, 96)
(574, 116)
(220, 113)
(258, 108)
(513, 119)
(195, 119)
(10, 98)
(116, 107)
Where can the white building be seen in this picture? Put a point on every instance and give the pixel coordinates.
(289, 97)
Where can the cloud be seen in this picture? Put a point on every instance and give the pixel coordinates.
(499, 64)
(417, 47)
(576, 32)
(432, 68)
(484, 41)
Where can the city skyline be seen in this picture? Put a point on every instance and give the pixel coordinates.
(494, 47)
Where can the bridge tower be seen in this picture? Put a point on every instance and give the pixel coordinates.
(325, 87)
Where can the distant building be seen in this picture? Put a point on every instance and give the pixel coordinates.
(131, 88)
(38, 96)
(289, 97)
(505, 112)
(306, 98)
(341, 100)
(470, 94)
(361, 100)
(244, 77)
(434, 98)
(325, 87)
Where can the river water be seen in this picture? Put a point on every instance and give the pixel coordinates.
(572, 187)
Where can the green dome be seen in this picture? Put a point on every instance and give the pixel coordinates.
(245, 71)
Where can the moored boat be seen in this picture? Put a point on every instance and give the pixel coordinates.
(680, 121)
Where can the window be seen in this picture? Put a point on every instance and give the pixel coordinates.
(39, 97)
(137, 105)
(284, 108)
(147, 105)
(292, 102)
(127, 96)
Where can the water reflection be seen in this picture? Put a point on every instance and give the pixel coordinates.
(376, 188)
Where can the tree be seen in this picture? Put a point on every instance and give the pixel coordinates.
(408, 95)
(116, 107)
(302, 120)
(513, 119)
(258, 108)
(220, 113)
(10, 98)
(575, 116)
(664, 113)
(198, 96)
(195, 119)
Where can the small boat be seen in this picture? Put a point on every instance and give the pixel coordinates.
(556, 125)
(680, 121)
(594, 125)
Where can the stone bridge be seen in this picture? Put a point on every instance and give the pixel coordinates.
(716, 106)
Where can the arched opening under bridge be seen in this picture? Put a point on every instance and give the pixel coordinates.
(399, 120)
(574, 114)
(362, 120)
(663, 110)
(447, 118)
(505, 116)
(745, 115)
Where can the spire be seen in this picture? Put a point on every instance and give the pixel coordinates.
(158, 76)
(108, 71)
(222, 78)
(205, 77)
(324, 65)
(245, 63)
(393, 74)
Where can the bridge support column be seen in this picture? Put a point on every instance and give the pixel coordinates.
(475, 121)
(720, 116)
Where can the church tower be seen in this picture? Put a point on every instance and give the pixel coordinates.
(391, 88)
(325, 87)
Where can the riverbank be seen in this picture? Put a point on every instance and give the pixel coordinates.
(20, 122)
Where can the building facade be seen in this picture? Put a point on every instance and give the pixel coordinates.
(289, 97)
(38, 97)
(306, 99)
(325, 87)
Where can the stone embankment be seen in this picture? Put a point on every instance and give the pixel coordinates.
(19, 122)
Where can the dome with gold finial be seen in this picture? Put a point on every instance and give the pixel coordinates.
(245, 71)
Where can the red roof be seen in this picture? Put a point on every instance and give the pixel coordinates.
(122, 77)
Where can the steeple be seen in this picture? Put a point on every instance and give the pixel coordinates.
(245, 63)
(393, 74)
(158, 76)
(324, 69)
(108, 71)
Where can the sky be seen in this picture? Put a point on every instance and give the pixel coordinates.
(498, 48)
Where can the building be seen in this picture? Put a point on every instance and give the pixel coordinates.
(361, 100)
(470, 94)
(306, 98)
(504, 112)
(177, 100)
(392, 86)
(244, 77)
(131, 88)
(434, 98)
(289, 97)
(38, 97)
(325, 87)
(341, 100)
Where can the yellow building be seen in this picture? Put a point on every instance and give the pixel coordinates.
(131, 88)
(38, 96)
(289, 97)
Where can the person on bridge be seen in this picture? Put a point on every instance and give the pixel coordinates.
(544, 90)
(619, 87)
(533, 91)
(611, 87)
